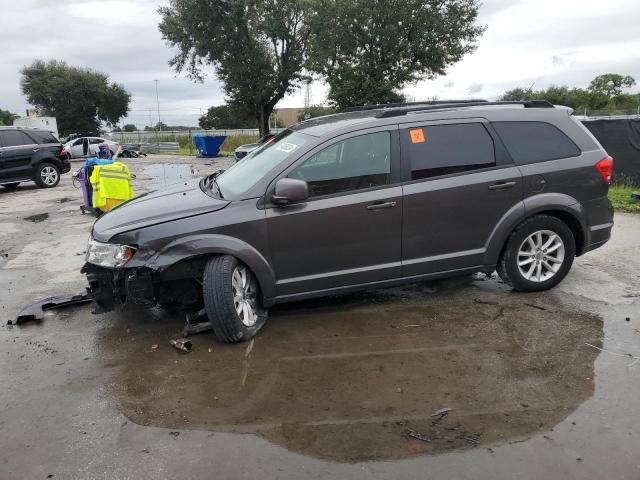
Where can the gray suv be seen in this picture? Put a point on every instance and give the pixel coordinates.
(364, 199)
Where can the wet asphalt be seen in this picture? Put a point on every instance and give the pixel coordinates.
(459, 378)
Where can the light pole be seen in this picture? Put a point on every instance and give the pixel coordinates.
(158, 103)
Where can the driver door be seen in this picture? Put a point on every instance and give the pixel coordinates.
(348, 232)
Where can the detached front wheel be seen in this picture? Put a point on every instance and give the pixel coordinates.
(232, 300)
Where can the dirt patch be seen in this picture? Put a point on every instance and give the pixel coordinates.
(359, 377)
(37, 218)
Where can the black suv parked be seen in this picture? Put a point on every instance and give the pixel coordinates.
(364, 199)
(29, 154)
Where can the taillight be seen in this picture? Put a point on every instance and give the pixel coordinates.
(605, 168)
(64, 152)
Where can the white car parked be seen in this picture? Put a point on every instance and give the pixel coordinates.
(85, 146)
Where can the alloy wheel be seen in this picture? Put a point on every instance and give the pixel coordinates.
(540, 256)
(244, 295)
(49, 175)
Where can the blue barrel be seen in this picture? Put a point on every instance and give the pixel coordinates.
(208, 146)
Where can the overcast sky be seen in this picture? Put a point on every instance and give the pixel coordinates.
(528, 42)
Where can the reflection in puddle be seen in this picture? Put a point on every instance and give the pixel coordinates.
(165, 174)
(359, 377)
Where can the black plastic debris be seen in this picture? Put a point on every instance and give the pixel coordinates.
(36, 310)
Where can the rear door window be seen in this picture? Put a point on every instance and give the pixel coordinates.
(14, 138)
(530, 142)
(436, 150)
(352, 164)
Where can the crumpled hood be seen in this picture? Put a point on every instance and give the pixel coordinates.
(184, 199)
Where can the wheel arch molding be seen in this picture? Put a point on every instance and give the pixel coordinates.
(562, 206)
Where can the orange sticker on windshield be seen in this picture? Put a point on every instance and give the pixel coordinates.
(417, 135)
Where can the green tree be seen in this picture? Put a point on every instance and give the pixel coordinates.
(129, 127)
(368, 51)
(225, 116)
(6, 117)
(611, 85)
(80, 99)
(605, 92)
(257, 47)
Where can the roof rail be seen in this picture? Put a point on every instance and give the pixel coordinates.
(396, 112)
(409, 104)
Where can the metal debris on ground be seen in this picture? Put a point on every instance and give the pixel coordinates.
(485, 302)
(181, 344)
(533, 305)
(472, 438)
(36, 311)
(417, 435)
(154, 346)
(443, 412)
(439, 415)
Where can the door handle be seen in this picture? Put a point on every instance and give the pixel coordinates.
(502, 185)
(381, 205)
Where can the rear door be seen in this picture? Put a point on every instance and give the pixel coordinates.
(459, 183)
(349, 230)
(15, 157)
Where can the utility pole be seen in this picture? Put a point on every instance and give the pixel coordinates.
(158, 103)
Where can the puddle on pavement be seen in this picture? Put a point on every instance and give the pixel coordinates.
(37, 218)
(165, 174)
(348, 379)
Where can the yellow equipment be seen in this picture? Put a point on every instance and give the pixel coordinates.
(111, 185)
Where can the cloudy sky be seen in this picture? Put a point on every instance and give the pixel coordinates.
(528, 42)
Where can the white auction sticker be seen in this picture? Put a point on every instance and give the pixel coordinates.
(287, 147)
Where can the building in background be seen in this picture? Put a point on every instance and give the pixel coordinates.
(34, 121)
(286, 117)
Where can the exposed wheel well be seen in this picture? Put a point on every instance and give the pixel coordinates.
(192, 268)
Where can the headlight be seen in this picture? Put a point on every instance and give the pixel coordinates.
(108, 254)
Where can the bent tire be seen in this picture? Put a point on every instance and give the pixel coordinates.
(47, 175)
(231, 299)
(538, 254)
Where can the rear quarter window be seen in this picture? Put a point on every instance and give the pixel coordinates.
(43, 138)
(531, 142)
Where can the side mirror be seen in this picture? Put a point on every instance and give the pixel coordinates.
(290, 190)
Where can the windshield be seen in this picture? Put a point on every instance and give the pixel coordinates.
(248, 171)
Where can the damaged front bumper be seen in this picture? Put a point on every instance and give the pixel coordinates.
(113, 288)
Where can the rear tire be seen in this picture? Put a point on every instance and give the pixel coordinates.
(538, 254)
(11, 186)
(47, 175)
(232, 299)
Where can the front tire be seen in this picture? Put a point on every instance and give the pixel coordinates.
(538, 254)
(232, 300)
(47, 175)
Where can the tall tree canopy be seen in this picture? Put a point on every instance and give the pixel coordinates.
(6, 117)
(604, 92)
(225, 116)
(80, 99)
(368, 50)
(257, 47)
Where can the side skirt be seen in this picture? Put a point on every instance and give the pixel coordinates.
(381, 284)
